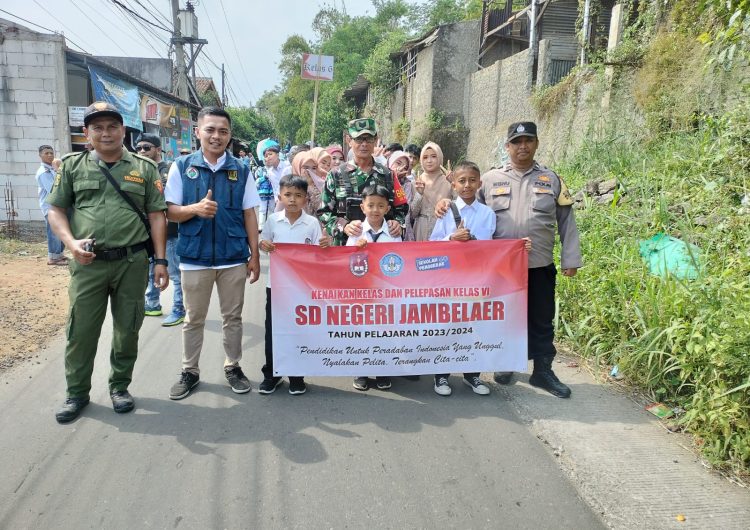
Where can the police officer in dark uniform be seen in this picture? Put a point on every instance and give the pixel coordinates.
(108, 240)
(340, 213)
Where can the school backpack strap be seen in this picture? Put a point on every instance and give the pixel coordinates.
(456, 214)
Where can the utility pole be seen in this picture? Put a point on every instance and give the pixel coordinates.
(181, 90)
(186, 32)
(223, 91)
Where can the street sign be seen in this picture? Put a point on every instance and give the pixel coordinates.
(317, 67)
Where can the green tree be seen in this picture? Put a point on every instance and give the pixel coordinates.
(248, 125)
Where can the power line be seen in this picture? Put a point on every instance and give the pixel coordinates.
(147, 10)
(126, 18)
(166, 18)
(128, 9)
(54, 18)
(237, 53)
(218, 42)
(96, 25)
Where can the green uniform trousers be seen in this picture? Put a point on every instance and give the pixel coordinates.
(122, 282)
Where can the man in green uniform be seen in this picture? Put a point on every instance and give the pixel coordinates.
(340, 213)
(108, 241)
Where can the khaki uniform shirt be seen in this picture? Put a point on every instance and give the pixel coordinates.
(96, 208)
(533, 204)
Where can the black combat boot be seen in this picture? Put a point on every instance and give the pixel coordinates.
(543, 377)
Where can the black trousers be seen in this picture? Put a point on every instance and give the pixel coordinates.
(541, 312)
(268, 367)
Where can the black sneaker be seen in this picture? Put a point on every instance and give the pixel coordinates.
(383, 383)
(122, 401)
(237, 380)
(360, 383)
(269, 384)
(476, 384)
(182, 388)
(71, 409)
(297, 386)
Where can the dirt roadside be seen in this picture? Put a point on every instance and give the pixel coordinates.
(33, 300)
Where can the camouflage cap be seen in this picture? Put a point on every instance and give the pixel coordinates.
(98, 109)
(362, 126)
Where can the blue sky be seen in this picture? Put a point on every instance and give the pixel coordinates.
(245, 35)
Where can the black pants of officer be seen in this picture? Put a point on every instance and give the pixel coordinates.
(268, 367)
(541, 311)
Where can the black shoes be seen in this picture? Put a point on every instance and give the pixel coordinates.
(503, 378)
(182, 388)
(269, 385)
(71, 409)
(297, 386)
(122, 401)
(543, 377)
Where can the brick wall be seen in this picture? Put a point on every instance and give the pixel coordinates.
(33, 109)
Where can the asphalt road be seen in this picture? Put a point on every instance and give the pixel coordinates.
(332, 458)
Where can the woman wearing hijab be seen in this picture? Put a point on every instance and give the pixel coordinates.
(400, 164)
(431, 186)
(337, 155)
(324, 162)
(306, 166)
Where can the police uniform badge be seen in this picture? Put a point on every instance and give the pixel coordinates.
(564, 199)
(232, 175)
(192, 173)
(358, 264)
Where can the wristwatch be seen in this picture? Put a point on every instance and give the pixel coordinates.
(161, 261)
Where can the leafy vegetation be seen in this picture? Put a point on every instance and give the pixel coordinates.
(360, 45)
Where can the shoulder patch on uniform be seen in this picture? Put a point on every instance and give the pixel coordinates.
(68, 155)
(143, 158)
(159, 186)
(564, 199)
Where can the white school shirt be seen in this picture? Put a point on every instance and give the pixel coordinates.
(173, 194)
(305, 230)
(478, 218)
(384, 237)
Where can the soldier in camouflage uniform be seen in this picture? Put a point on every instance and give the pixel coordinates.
(108, 241)
(340, 213)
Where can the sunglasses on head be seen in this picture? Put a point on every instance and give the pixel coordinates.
(144, 148)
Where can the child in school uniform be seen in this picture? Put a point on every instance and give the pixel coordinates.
(466, 220)
(290, 225)
(375, 205)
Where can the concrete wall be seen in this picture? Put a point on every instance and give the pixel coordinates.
(156, 72)
(498, 96)
(455, 59)
(419, 93)
(33, 109)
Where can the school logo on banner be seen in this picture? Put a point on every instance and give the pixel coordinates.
(358, 264)
(391, 264)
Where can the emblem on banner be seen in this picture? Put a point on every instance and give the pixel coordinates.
(358, 264)
(192, 173)
(391, 264)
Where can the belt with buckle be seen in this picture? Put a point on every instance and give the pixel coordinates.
(114, 254)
